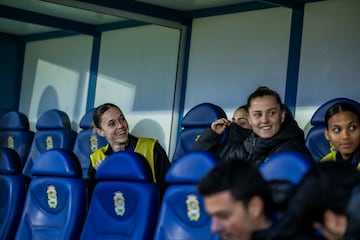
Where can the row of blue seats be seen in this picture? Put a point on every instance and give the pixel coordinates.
(201, 116)
(54, 131)
(193, 124)
(125, 203)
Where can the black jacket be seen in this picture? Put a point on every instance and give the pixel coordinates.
(288, 229)
(255, 149)
(281, 231)
(352, 214)
(212, 142)
(354, 159)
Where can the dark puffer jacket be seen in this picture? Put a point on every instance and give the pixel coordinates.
(336, 156)
(255, 149)
(210, 141)
(352, 214)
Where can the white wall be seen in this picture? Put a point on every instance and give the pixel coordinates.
(55, 76)
(137, 72)
(231, 55)
(330, 55)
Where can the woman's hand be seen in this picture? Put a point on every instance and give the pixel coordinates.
(219, 125)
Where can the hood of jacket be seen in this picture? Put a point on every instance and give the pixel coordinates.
(236, 133)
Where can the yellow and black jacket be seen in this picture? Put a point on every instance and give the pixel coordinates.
(333, 155)
(150, 148)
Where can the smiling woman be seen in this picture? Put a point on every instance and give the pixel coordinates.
(274, 130)
(110, 123)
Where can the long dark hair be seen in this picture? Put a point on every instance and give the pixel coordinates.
(99, 111)
(340, 107)
(264, 91)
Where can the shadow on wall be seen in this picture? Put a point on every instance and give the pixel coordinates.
(48, 100)
(149, 128)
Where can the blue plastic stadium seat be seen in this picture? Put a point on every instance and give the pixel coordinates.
(53, 131)
(182, 214)
(3, 111)
(315, 138)
(284, 171)
(125, 201)
(87, 141)
(12, 192)
(193, 124)
(15, 133)
(55, 204)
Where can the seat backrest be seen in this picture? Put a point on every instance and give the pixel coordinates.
(193, 124)
(3, 111)
(182, 214)
(87, 141)
(53, 131)
(284, 171)
(15, 133)
(55, 205)
(12, 192)
(315, 139)
(125, 201)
